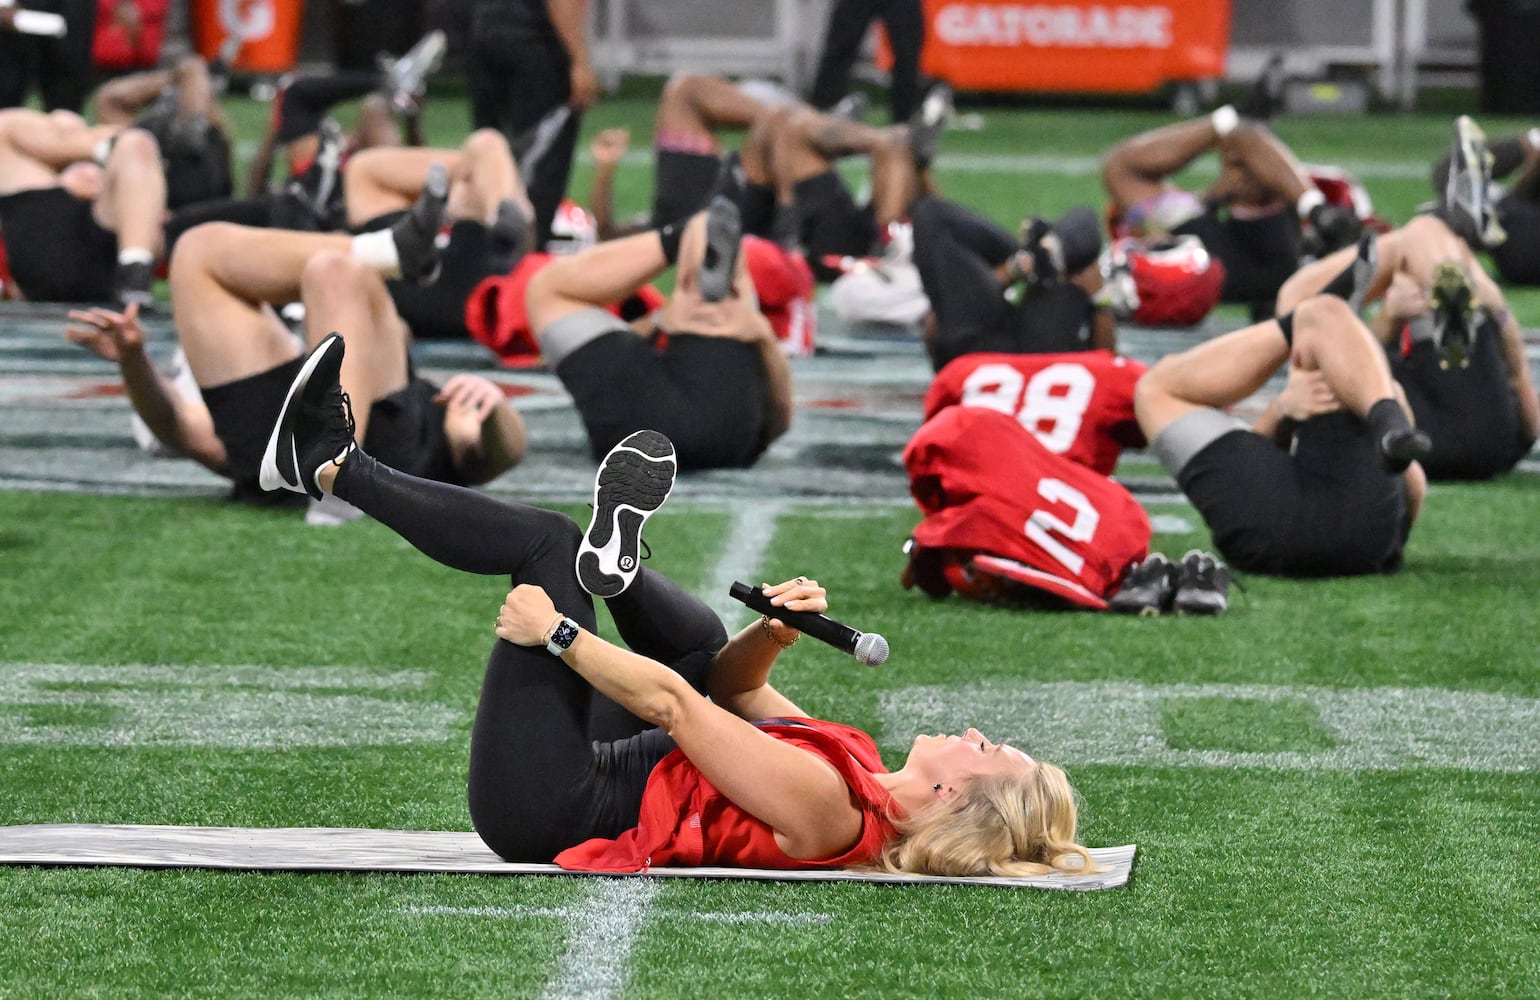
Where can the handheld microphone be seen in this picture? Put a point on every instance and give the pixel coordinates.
(869, 648)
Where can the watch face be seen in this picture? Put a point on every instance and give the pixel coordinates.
(565, 633)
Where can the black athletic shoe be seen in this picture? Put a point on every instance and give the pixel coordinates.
(315, 426)
(724, 233)
(1465, 204)
(416, 233)
(1203, 586)
(1147, 588)
(508, 237)
(134, 284)
(1454, 315)
(1365, 263)
(1041, 245)
(926, 125)
(852, 107)
(1403, 446)
(1265, 99)
(405, 79)
(633, 481)
(1329, 228)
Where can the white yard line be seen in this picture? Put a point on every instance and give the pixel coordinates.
(605, 924)
(1113, 722)
(567, 913)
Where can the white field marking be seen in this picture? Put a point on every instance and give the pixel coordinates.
(1087, 166)
(1170, 524)
(1376, 729)
(603, 927)
(749, 535)
(217, 706)
(601, 931)
(566, 913)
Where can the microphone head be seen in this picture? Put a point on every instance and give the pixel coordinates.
(871, 649)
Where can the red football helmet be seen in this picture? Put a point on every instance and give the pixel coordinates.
(1172, 281)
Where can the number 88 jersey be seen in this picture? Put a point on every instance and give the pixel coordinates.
(1079, 405)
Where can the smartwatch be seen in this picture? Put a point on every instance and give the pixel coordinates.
(562, 637)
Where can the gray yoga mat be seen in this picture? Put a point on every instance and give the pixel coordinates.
(333, 850)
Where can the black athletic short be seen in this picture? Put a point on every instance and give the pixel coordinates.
(681, 184)
(1470, 413)
(707, 394)
(406, 428)
(58, 251)
(1329, 509)
(1518, 257)
(196, 156)
(437, 311)
(1259, 254)
(829, 222)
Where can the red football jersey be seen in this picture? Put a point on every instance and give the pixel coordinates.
(1079, 405)
(997, 499)
(684, 820)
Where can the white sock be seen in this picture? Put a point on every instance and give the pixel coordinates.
(377, 249)
(1224, 120)
(135, 255)
(1308, 201)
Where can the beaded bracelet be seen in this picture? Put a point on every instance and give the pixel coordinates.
(764, 623)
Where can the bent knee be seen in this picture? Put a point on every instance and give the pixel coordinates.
(330, 270)
(486, 142)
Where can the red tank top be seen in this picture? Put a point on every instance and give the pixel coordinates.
(686, 822)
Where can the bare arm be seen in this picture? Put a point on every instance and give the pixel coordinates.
(570, 19)
(1303, 396)
(119, 101)
(739, 678)
(608, 147)
(486, 435)
(800, 796)
(177, 422)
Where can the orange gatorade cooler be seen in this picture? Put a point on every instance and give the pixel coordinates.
(269, 30)
(1122, 46)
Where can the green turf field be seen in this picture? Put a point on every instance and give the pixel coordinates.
(1333, 787)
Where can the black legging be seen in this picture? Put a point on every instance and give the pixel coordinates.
(553, 763)
(956, 252)
(846, 33)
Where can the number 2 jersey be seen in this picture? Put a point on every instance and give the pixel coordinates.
(1079, 405)
(1004, 512)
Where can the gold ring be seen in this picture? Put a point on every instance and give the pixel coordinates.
(497, 622)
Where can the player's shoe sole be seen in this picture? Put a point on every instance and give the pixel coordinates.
(633, 481)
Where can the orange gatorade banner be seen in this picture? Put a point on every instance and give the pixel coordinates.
(269, 30)
(1119, 47)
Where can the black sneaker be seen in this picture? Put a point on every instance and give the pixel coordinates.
(724, 233)
(405, 79)
(1329, 228)
(1466, 207)
(1147, 588)
(416, 233)
(1203, 586)
(315, 425)
(852, 107)
(926, 125)
(1041, 245)
(1403, 446)
(508, 237)
(134, 284)
(1365, 264)
(633, 481)
(1265, 98)
(1454, 315)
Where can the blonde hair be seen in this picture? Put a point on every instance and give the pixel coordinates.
(1009, 824)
